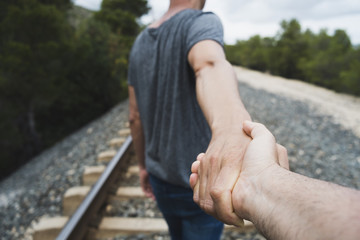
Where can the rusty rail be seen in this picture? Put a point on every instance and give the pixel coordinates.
(77, 225)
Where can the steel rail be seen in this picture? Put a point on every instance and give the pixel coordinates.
(77, 225)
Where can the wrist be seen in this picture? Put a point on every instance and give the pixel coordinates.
(250, 195)
(228, 129)
(229, 124)
(243, 194)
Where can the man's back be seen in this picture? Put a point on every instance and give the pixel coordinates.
(174, 126)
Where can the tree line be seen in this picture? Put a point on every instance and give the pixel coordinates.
(61, 68)
(57, 72)
(326, 60)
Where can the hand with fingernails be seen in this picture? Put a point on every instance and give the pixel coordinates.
(261, 153)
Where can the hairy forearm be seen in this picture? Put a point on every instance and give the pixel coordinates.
(218, 96)
(286, 205)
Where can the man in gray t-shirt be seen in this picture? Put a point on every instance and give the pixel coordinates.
(164, 82)
(183, 95)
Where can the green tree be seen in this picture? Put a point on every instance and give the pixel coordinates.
(330, 56)
(290, 48)
(33, 38)
(253, 53)
(322, 59)
(121, 15)
(350, 77)
(88, 89)
(235, 53)
(256, 53)
(56, 76)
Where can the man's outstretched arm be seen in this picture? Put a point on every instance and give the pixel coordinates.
(219, 99)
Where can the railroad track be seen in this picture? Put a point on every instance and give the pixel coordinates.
(94, 210)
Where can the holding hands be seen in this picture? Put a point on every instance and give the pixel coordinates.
(281, 204)
(262, 153)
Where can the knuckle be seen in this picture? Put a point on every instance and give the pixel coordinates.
(203, 163)
(207, 163)
(210, 160)
(217, 193)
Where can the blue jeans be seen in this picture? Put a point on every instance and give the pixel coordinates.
(185, 219)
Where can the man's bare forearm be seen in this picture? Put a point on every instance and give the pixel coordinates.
(219, 98)
(218, 95)
(286, 205)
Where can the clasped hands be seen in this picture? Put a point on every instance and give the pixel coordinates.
(221, 177)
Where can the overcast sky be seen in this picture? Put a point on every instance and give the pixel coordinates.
(245, 18)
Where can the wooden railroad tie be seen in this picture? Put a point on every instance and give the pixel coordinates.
(73, 197)
(76, 195)
(92, 173)
(49, 228)
(124, 132)
(106, 156)
(112, 226)
(117, 142)
(132, 170)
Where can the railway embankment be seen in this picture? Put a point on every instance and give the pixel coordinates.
(320, 129)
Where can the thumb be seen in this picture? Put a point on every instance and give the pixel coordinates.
(255, 130)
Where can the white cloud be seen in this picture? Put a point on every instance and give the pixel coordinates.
(245, 18)
(89, 4)
(331, 9)
(345, 22)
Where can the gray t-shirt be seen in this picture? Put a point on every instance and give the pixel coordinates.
(174, 126)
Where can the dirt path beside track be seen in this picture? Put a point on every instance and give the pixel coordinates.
(344, 109)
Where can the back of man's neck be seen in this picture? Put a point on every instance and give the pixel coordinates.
(174, 8)
(183, 4)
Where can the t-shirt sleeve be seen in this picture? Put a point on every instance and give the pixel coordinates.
(207, 26)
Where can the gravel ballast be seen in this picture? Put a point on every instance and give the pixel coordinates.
(318, 146)
(37, 188)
